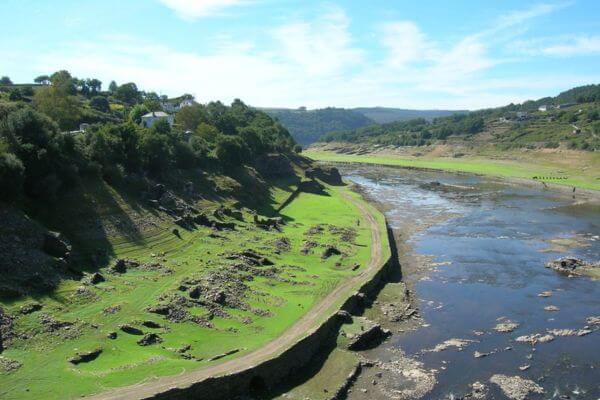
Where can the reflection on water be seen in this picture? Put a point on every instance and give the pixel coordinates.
(495, 246)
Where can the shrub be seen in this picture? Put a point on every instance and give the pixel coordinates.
(100, 103)
(12, 175)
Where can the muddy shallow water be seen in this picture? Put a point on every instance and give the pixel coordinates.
(486, 244)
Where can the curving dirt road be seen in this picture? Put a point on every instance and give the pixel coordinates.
(305, 324)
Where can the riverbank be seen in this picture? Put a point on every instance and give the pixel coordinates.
(561, 170)
(484, 270)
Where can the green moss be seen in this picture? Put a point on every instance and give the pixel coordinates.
(46, 373)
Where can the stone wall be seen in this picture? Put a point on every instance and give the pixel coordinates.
(289, 363)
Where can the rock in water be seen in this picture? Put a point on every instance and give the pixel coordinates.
(515, 387)
(571, 265)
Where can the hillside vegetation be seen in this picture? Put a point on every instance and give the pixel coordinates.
(383, 115)
(307, 126)
(131, 252)
(571, 120)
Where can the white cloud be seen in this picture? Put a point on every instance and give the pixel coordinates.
(193, 9)
(318, 63)
(405, 43)
(561, 46)
(321, 47)
(519, 17)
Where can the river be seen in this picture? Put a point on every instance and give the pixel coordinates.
(485, 243)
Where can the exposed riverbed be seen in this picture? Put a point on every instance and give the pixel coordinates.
(473, 253)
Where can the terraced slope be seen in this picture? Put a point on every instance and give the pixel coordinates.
(187, 300)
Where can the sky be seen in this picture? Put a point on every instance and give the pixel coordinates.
(424, 54)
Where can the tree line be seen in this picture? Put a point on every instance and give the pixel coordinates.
(39, 156)
(416, 132)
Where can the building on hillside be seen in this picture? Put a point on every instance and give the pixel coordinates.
(149, 119)
(171, 107)
(543, 108)
(186, 103)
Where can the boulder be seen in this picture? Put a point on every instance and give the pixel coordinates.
(151, 324)
(122, 264)
(330, 175)
(56, 245)
(156, 191)
(330, 251)
(344, 316)
(85, 357)
(149, 339)
(369, 338)
(30, 308)
(111, 335)
(96, 278)
(132, 330)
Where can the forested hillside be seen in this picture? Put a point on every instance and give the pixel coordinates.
(307, 126)
(571, 119)
(383, 115)
(42, 153)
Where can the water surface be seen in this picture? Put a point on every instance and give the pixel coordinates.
(493, 240)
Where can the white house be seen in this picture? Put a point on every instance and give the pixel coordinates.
(543, 108)
(149, 119)
(171, 107)
(186, 103)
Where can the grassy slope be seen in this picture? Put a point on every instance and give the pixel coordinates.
(583, 174)
(47, 374)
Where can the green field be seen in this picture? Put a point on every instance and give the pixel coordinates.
(272, 302)
(582, 173)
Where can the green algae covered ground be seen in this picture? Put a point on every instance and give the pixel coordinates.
(578, 170)
(76, 317)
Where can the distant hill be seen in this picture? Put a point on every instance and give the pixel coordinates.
(307, 126)
(571, 119)
(383, 115)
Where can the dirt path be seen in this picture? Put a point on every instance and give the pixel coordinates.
(278, 345)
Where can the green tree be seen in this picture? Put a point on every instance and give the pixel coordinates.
(135, 115)
(95, 85)
(5, 80)
(207, 133)
(162, 127)
(156, 150)
(116, 144)
(12, 175)
(100, 103)
(128, 93)
(64, 81)
(58, 103)
(42, 79)
(189, 118)
(231, 151)
(112, 87)
(27, 91)
(14, 94)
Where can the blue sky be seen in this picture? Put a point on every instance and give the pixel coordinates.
(410, 54)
